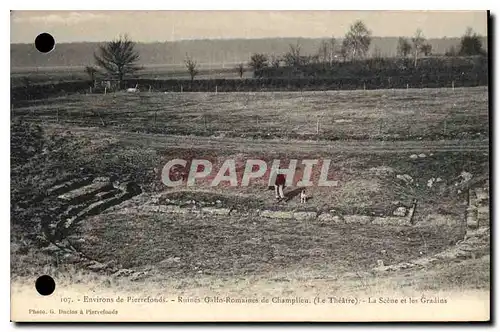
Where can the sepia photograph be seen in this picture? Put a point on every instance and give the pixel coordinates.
(250, 166)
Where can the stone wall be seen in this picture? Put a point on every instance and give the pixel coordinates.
(144, 204)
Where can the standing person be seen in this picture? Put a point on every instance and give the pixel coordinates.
(278, 186)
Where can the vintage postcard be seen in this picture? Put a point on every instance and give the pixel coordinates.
(254, 166)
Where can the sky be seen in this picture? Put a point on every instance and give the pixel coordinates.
(152, 26)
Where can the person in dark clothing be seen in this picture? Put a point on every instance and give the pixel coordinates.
(279, 184)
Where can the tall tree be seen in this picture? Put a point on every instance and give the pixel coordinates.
(470, 44)
(418, 41)
(357, 40)
(404, 47)
(118, 58)
(258, 61)
(191, 67)
(333, 44)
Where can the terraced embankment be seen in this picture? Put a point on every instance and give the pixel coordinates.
(78, 199)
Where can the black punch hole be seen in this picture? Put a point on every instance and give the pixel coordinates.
(44, 42)
(45, 285)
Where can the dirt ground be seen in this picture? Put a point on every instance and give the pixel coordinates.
(243, 252)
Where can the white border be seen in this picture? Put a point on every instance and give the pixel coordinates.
(257, 5)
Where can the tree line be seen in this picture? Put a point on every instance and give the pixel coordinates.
(118, 59)
(355, 45)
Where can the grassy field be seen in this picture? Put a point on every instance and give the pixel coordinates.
(132, 136)
(379, 114)
(232, 246)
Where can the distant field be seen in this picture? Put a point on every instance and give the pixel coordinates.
(41, 75)
(333, 115)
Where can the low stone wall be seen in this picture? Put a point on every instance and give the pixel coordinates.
(146, 206)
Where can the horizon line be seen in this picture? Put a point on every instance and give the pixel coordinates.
(235, 38)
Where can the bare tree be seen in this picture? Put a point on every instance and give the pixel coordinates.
(418, 41)
(333, 44)
(292, 58)
(404, 47)
(324, 51)
(191, 67)
(240, 68)
(258, 61)
(118, 58)
(357, 40)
